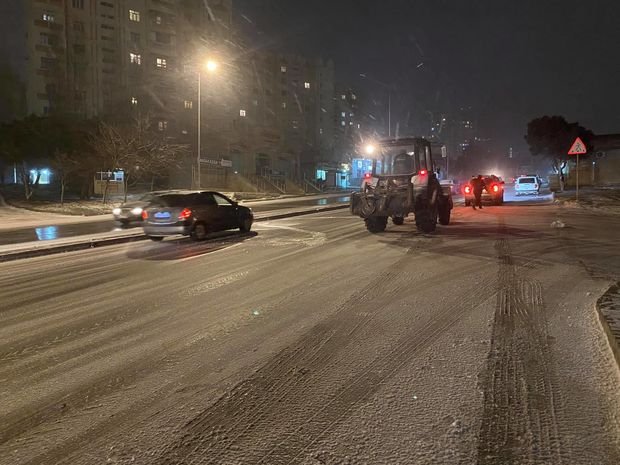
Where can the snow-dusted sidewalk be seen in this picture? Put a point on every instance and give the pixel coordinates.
(17, 218)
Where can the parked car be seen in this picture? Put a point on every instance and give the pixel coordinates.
(525, 185)
(131, 212)
(194, 214)
(493, 193)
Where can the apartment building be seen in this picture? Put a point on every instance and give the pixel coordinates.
(90, 56)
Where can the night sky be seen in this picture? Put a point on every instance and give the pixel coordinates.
(510, 61)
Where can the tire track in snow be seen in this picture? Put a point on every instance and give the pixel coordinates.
(522, 401)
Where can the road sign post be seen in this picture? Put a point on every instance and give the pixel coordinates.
(578, 148)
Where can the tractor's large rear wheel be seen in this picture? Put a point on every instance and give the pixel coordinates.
(376, 224)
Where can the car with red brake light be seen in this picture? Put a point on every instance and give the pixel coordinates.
(195, 214)
(493, 192)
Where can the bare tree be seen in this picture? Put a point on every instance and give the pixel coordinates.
(64, 165)
(136, 149)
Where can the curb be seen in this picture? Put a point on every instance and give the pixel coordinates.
(84, 244)
(608, 309)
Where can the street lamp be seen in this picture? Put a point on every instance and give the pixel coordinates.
(210, 66)
(370, 149)
(389, 89)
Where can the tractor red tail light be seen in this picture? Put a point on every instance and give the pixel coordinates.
(145, 215)
(468, 189)
(423, 172)
(185, 214)
(495, 188)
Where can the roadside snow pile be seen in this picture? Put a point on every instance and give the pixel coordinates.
(558, 224)
(74, 207)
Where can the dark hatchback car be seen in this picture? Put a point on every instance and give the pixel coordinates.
(194, 214)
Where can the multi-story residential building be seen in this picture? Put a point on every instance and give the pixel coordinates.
(260, 112)
(89, 56)
(283, 122)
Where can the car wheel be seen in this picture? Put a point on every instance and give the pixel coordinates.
(246, 225)
(199, 232)
(156, 238)
(398, 220)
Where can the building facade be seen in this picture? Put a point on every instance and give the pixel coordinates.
(261, 113)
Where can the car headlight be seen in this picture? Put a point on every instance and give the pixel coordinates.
(136, 211)
(116, 211)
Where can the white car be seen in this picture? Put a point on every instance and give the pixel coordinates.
(525, 185)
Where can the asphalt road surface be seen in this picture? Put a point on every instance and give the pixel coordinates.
(312, 341)
(58, 231)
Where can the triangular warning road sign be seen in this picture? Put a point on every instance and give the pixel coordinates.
(578, 147)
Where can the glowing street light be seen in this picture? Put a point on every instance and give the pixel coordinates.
(211, 65)
(370, 149)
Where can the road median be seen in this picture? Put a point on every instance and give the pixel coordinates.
(40, 248)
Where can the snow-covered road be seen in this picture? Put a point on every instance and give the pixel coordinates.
(315, 342)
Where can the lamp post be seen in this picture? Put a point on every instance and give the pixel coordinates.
(210, 66)
(389, 89)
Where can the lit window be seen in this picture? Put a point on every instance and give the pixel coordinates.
(343, 97)
(343, 123)
(320, 130)
(48, 17)
(350, 123)
(134, 15)
(162, 125)
(283, 69)
(188, 104)
(242, 113)
(158, 19)
(307, 85)
(162, 63)
(359, 126)
(343, 114)
(255, 103)
(353, 97)
(135, 58)
(351, 115)
(134, 101)
(283, 104)
(43, 176)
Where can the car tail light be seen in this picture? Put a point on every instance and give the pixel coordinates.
(495, 188)
(468, 189)
(185, 214)
(423, 172)
(145, 215)
(367, 176)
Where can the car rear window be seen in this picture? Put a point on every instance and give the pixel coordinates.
(176, 200)
(526, 181)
